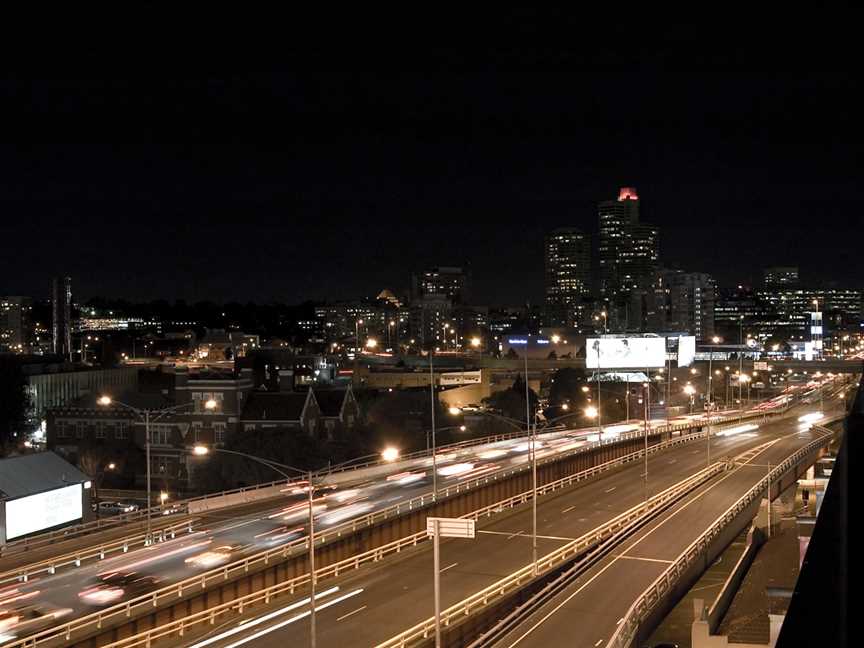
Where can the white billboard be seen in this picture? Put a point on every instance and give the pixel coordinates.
(43, 511)
(686, 350)
(625, 353)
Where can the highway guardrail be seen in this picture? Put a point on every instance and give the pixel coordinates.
(238, 605)
(202, 581)
(626, 632)
(426, 628)
(23, 573)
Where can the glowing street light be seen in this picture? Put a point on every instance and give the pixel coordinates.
(455, 411)
(591, 412)
(151, 415)
(390, 454)
(371, 343)
(475, 342)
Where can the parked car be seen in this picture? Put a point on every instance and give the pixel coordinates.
(115, 508)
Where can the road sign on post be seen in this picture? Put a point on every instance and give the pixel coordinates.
(444, 528)
(450, 527)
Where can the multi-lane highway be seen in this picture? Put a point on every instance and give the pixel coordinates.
(229, 536)
(377, 602)
(233, 533)
(587, 613)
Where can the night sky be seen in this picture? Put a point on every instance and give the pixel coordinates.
(334, 168)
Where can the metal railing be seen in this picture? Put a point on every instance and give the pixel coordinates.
(426, 628)
(122, 545)
(201, 581)
(180, 626)
(627, 630)
(29, 543)
(182, 506)
(206, 579)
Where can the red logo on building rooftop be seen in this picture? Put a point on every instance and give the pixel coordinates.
(628, 193)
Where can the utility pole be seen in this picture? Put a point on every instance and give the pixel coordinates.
(434, 457)
(769, 499)
(312, 630)
(533, 457)
(647, 406)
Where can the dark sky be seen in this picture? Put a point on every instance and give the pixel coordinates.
(330, 169)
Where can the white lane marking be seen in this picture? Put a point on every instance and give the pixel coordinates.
(522, 533)
(673, 461)
(609, 490)
(569, 508)
(297, 617)
(615, 559)
(345, 616)
(599, 641)
(619, 621)
(249, 624)
(448, 567)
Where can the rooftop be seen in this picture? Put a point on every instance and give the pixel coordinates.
(36, 473)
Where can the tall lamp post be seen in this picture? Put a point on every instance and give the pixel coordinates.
(389, 454)
(690, 391)
(647, 386)
(148, 416)
(533, 457)
(432, 400)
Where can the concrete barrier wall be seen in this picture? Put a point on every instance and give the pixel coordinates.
(719, 543)
(233, 499)
(755, 539)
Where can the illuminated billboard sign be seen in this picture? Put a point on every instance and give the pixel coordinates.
(624, 353)
(43, 511)
(686, 350)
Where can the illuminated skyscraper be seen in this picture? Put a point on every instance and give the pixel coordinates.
(628, 251)
(568, 272)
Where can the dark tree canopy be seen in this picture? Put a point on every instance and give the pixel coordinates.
(14, 401)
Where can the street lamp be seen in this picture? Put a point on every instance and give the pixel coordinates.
(390, 454)
(690, 391)
(147, 415)
(201, 450)
(715, 340)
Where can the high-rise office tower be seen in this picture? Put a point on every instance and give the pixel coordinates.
(690, 302)
(454, 283)
(16, 329)
(640, 257)
(628, 251)
(61, 316)
(568, 272)
(780, 277)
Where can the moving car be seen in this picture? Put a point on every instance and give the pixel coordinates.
(216, 556)
(27, 619)
(111, 587)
